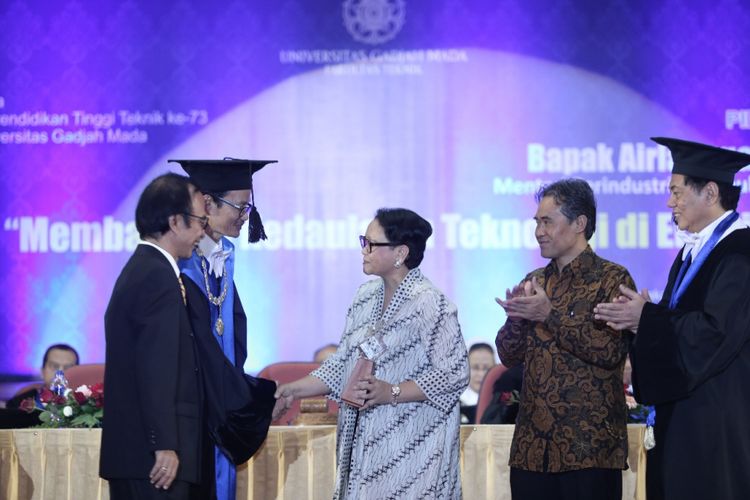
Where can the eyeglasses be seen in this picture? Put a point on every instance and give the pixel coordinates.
(243, 209)
(202, 220)
(365, 243)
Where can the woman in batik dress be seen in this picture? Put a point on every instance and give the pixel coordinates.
(404, 441)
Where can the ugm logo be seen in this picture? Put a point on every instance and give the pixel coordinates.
(374, 21)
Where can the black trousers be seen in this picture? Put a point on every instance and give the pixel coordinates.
(137, 489)
(584, 484)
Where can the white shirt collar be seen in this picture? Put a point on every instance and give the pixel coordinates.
(215, 254)
(165, 254)
(696, 241)
(207, 245)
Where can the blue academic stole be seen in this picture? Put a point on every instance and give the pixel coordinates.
(688, 270)
(226, 474)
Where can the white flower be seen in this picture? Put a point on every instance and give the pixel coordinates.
(67, 391)
(68, 411)
(84, 389)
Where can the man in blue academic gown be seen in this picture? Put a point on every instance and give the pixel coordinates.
(238, 407)
(691, 353)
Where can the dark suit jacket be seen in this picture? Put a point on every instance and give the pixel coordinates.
(152, 384)
(237, 406)
(15, 402)
(12, 417)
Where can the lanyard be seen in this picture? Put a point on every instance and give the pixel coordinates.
(681, 283)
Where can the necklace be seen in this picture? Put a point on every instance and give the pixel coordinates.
(217, 301)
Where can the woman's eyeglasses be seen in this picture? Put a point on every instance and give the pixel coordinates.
(365, 243)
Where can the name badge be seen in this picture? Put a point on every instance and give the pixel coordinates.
(373, 347)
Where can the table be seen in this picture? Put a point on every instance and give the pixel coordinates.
(295, 463)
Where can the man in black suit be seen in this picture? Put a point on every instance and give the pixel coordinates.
(151, 436)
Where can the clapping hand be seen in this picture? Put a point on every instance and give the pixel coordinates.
(527, 300)
(624, 312)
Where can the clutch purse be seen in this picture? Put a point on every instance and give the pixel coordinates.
(363, 367)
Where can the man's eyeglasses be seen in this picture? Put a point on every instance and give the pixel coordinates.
(203, 221)
(365, 243)
(243, 209)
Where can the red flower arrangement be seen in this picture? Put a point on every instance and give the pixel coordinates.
(28, 405)
(83, 407)
(510, 397)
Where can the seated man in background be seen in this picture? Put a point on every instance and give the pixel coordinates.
(506, 396)
(56, 357)
(481, 359)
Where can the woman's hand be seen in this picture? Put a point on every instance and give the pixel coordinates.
(374, 391)
(305, 387)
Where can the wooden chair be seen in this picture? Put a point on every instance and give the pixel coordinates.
(286, 372)
(485, 391)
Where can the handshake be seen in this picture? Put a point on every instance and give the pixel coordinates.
(284, 398)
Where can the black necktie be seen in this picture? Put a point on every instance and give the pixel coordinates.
(683, 271)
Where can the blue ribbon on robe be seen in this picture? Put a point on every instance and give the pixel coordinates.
(226, 474)
(685, 277)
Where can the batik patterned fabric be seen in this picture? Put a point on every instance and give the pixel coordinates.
(572, 413)
(410, 450)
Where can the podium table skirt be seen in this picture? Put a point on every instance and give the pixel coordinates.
(295, 463)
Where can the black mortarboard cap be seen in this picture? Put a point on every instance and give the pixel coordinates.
(218, 176)
(229, 174)
(703, 161)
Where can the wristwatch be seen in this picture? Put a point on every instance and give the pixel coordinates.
(395, 393)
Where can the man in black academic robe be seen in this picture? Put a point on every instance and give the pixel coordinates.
(238, 407)
(151, 436)
(691, 353)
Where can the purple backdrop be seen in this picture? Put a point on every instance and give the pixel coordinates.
(457, 109)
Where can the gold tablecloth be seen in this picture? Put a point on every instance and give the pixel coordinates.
(295, 463)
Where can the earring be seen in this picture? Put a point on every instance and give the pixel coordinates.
(397, 264)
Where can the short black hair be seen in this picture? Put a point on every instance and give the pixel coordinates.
(575, 198)
(405, 227)
(61, 347)
(729, 195)
(481, 346)
(165, 196)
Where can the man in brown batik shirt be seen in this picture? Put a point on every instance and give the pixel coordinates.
(570, 440)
